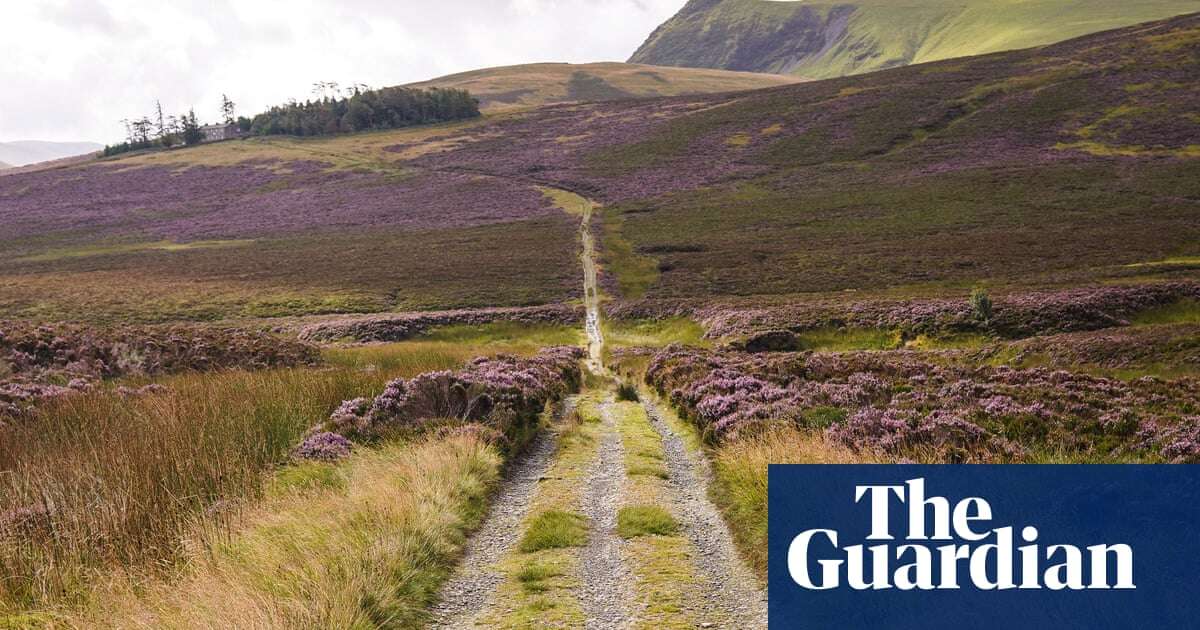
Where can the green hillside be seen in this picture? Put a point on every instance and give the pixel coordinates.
(830, 39)
(537, 84)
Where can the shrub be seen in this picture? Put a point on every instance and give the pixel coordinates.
(323, 447)
(981, 305)
(626, 392)
(506, 393)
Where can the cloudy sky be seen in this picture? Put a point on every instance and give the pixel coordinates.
(71, 69)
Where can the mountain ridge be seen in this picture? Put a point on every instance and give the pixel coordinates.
(821, 39)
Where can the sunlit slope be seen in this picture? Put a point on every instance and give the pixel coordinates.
(829, 39)
(274, 227)
(533, 85)
(1066, 164)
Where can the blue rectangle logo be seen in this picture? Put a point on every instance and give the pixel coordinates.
(983, 547)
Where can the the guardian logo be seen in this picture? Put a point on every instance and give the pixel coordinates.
(948, 546)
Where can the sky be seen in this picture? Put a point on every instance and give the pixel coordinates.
(72, 69)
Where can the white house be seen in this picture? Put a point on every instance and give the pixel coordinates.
(215, 133)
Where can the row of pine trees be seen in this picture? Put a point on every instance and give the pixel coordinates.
(358, 109)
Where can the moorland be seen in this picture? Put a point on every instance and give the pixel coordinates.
(279, 381)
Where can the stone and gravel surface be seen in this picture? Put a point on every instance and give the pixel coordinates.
(607, 584)
(472, 588)
(736, 601)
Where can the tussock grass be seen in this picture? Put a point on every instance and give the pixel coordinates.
(740, 485)
(369, 555)
(122, 485)
(533, 576)
(554, 529)
(645, 520)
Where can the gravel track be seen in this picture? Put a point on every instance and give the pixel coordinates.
(607, 584)
(472, 587)
(735, 599)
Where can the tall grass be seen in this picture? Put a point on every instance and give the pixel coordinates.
(104, 483)
(367, 551)
(740, 472)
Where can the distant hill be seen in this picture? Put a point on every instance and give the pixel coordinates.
(824, 39)
(24, 152)
(538, 84)
(4, 166)
(1068, 165)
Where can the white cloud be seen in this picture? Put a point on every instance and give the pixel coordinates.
(72, 68)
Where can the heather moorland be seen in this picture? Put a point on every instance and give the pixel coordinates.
(529, 369)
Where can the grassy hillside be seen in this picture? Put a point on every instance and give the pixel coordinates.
(829, 39)
(1071, 163)
(538, 84)
(1078, 162)
(271, 227)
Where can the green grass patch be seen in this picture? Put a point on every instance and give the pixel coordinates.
(649, 470)
(822, 417)
(306, 477)
(849, 339)
(554, 529)
(635, 273)
(654, 333)
(509, 334)
(449, 347)
(962, 341)
(645, 520)
(1181, 312)
(533, 576)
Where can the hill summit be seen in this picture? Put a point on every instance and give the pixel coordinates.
(825, 39)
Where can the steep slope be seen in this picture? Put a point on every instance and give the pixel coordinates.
(23, 152)
(538, 84)
(825, 39)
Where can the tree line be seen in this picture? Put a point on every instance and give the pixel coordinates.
(358, 108)
(160, 131)
(365, 109)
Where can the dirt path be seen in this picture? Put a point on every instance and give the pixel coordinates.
(473, 586)
(713, 586)
(606, 589)
(736, 599)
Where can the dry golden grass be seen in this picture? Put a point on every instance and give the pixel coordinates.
(102, 484)
(740, 490)
(367, 550)
(538, 84)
